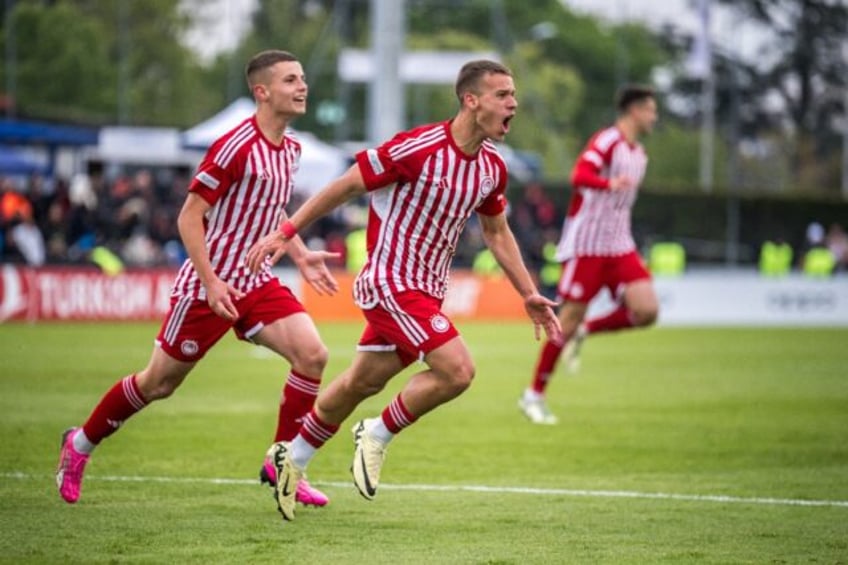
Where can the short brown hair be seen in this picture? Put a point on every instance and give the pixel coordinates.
(262, 61)
(630, 94)
(471, 72)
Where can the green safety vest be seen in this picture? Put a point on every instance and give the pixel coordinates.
(356, 250)
(819, 262)
(775, 258)
(486, 264)
(108, 262)
(552, 269)
(667, 258)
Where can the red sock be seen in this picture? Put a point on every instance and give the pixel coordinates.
(548, 358)
(396, 417)
(315, 431)
(122, 401)
(296, 401)
(616, 320)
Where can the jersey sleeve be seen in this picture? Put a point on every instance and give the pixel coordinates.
(589, 166)
(495, 202)
(380, 168)
(211, 181)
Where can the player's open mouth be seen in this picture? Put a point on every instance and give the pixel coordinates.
(506, 124)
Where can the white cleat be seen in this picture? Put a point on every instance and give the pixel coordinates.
(368, 457)
(536, 410)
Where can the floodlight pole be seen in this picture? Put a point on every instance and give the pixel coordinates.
(707, 132)
(845, 125)
(385, 104)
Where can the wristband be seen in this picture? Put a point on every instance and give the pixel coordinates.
(288, 230)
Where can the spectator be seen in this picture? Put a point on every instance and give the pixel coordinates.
(836, 241)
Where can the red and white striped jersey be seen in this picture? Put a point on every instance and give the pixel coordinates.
(598, 219)
(423, 190)
(248, 181)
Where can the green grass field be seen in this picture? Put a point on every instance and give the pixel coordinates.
(674, 446)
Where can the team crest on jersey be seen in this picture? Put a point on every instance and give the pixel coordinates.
(189, 348)
(487, 185)
(439, 323)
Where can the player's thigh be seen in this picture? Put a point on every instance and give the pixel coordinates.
(641, 298)
(295, 337)
(638, 294)
(571, 314)
(452, 360)
(375, 368)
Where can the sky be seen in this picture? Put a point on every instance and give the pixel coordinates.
(227, 20)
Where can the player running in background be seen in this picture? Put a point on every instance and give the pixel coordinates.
(596, 247)
(424, 185)
(237, 196)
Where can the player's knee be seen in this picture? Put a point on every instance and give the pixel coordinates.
(157, 389)
(459, 376)
(645, 316)
(311, 360)
(364, 387)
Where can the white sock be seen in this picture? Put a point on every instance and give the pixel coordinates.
(82, 444)
(301, 452)
(531, 395)
(377, 429)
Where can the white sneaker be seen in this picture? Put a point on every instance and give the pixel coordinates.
(368, 457)
(571, 353)
(536, 410)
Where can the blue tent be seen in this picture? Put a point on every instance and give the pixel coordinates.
(13, 162)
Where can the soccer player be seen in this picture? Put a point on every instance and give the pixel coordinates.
(596, 247)
(237, 196)
(424, 184)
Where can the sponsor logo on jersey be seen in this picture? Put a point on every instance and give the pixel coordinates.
(189, 347)
(439, 323)
(374, 161)
(207, 179)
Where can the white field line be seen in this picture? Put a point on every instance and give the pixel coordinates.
(477, 488)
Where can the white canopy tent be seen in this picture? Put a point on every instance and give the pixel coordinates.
(319, 162)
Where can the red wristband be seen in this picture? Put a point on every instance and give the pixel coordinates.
(288, 230)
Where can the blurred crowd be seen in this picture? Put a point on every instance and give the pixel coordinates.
(62, 221)
(131, 218)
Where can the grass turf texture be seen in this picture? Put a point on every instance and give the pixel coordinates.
(736, 412)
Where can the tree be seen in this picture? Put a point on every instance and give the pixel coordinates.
(106, 61)
(801, 63)
(63, 66)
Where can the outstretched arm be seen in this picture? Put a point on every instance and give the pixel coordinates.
(346, 187)
(501, 241)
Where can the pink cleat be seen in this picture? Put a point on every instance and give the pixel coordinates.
(70, 469)
(306, 494)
